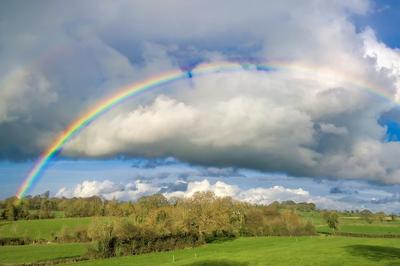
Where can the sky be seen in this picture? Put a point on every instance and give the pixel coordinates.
(323, 127)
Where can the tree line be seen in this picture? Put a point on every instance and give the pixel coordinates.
(43, 206)
(155, 223)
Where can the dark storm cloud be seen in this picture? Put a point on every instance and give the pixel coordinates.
(59, 58)
(173, 187)
(341, 190)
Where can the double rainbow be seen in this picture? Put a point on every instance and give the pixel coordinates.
(163, 79)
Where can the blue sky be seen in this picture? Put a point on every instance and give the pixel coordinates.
(382, 19)
(310, 135)
(168, 175)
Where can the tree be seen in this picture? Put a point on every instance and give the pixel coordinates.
(45, 211)
(103, 232)
(153, 202)
(366, 215)
(23, 210)
(332, 219)
(113, 208)
(11, 212)
(380, 216)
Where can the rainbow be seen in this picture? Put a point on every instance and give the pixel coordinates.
(163, 79)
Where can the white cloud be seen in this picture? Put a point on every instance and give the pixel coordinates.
(109, 190)
(297, 122)
(266, 121)
(332, 129)
(21, 92)
(220, 189)
(278, 193)
(259, 195)
(387, 59)
(132, 191)
(349, 195)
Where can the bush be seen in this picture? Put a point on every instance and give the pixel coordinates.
(104, 235)
(156, 225)
(332, 219)
(72, 235)
(6, 241)
(123, 237)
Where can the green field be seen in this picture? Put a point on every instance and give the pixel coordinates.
(318, 250)
(360, 228)
(40, 229)
(46, 229)
(35, 253)
(354, 224)
(357, 225)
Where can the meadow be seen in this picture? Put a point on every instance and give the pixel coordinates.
(48, 228)
(365, 228)
(318, 250)
(306, 250)
(37, 253)
(41, 229)
(379, 244)
(314, 250)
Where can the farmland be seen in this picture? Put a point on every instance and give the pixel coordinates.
(40, 229)
(36, 253)
(318, 250)
(57, 240)
(355, 224)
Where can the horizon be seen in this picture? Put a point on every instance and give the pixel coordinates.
(256, 134)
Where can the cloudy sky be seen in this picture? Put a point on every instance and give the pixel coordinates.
(315, 131)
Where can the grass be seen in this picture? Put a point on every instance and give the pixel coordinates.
(46, 229)
(318, 250)
(58, 214)
(373, 229)
(354, 224)
(314, 217)
(358, 225)
(40, 229)
(35, 253)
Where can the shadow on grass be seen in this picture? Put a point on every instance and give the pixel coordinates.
(59, 260)
(218, 263)
(375, 253)
(220, 240)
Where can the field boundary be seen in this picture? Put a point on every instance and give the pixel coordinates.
(361, 235)
(48, 262)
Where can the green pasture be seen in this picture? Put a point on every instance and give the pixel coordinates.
(312, 250)
(364, 228)
(47, 228)
(318, 250)
(40, 229)
(354, 224)
(35, 253)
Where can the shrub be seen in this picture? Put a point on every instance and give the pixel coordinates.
(156, 225)
(79, 234)
(332, 219)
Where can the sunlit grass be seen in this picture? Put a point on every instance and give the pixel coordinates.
(35, 253)
(319, 250)
(40, 229)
